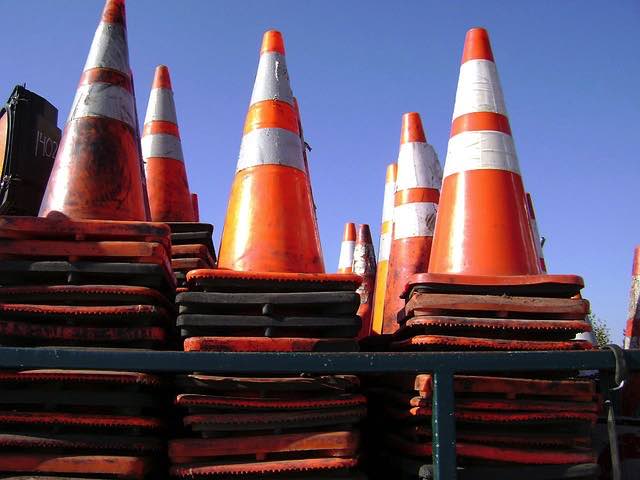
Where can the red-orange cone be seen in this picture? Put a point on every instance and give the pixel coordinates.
(270, 224)
(196, 207)
(364, 264)
(414, 214)
(536, 234)
(347, 247)
(632, 330)
(167, 185)
(97, 172)
(386, 232)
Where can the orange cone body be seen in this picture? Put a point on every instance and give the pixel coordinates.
(97, 172)
(632, 330)
(270, 224)
(167, 185)
(414, 214)
(386, 231)
(196, 207)
(364, 264)
(482, 226)
(347, 247)
(536, 233)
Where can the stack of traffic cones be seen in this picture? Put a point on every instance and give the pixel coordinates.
(364, 265)
(91, 273)
(270, 294)
(486, 290)
(170, 199)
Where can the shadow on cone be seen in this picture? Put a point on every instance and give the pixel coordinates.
(483, 235)
(97, 172)
(347, 247)
(531, 213)
(167, 185)
(414, 214)
(386, 231)
(270, 224)
(364, 264)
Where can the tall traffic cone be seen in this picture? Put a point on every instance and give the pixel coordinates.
(270, 224)
(414, 214)
(364, 264)
(632, 330)
(97, 172)
(347, 247)
(482, 226)
(536, 233)
(386, 231)
(167, 185)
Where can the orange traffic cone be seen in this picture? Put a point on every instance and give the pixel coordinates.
(483, 236)
(167, 185)
(347, 247)
(97, 172)
(196, 207)
(632, 330)
(384, 249)
(364, 264)
(414, 214)
(536, 234)
(270, 224)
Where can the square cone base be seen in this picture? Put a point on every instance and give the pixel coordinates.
(266, 344)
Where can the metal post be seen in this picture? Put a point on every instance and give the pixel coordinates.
(444, 426)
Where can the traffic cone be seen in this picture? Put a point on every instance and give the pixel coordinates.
(364, 264)
(270, 224)
(386, 230)
(632, 330)
(196, 207)
(97, 172)
(347, 247)
(536, 234)
(482, 226)
(414, 214)
(167, 185)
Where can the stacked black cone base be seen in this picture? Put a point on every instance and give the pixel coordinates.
(191, 248)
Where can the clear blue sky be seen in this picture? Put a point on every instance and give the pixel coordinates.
(570, 71)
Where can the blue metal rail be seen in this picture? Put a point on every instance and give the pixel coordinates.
(442, 365)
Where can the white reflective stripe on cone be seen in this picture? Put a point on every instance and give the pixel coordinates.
(385, 247)
(481, 150)
(414, 220)
(479, 89)
(272, 79)
(161, 106)
(271, 146)
(346, 253)
(162, 145)
(103, 100)
(109, 49)
(418, 166)
(387, 203)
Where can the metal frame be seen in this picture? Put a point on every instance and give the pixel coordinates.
(443, 365)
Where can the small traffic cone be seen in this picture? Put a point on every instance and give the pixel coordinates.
(364, 264)
(270, 224)
(347, 247)
(386, 230)
(632, 330)
(482, 226)
(536, 234)
(167, 185)
(414, 214)
(196, 207)
(97, 172)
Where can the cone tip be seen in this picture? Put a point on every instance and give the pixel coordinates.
(412, 130)
(272, 41)
(114, 12)
(636, 262)
(392, 172)
(162, 79)
(349, 232)
(477, 45)
(364, 234)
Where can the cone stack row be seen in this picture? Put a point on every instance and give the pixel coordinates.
(468, 275)
(92, 272)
